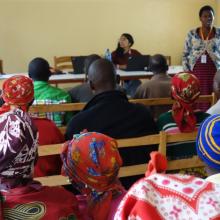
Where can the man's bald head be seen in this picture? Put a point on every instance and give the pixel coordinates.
(102, 76)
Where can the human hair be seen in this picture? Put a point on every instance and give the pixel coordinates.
(119, 50)
(39, 69)
(129, 38)
(89, 60)
(206, 8)
(158, 64)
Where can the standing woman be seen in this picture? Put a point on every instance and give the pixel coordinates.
(202, 51)
(120, 58)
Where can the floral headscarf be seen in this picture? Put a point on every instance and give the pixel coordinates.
(18, 146)
(185, 90)
(17, 90)
(92, 162)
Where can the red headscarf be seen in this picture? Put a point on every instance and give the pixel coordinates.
(161, 196)
(17, 90)
(185, 90)
(92, 162)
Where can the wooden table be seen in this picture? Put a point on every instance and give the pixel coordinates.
(75, 78)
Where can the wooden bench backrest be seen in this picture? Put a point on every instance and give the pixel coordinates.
(79, 106)
(161, 139)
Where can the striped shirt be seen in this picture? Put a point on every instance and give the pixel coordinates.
(181, 149)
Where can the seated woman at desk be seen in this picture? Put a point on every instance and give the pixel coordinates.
(120, 58)
(123, 51)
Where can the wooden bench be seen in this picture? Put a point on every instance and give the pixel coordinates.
(79, 106)
(161, 139)
(147, 102)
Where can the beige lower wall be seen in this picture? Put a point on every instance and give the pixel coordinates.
(31, 28)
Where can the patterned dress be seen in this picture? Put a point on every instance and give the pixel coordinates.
(195, 47)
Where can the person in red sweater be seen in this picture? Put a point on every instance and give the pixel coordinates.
(48, 132)
(123, 51)
(120, 58)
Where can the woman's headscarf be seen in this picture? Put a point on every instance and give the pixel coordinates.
(92, 162)
(208, 141)
(185, 90)
(18, 148)
(17, 90)
(169, 196)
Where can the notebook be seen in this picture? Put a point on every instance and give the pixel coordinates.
(78, 64)
(138, 63)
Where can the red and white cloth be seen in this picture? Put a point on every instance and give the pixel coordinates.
(174, 197)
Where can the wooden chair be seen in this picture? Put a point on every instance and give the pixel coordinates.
(168, 58)
(161, 139)
(1, 66)
(63, 63)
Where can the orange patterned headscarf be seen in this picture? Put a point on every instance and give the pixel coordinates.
(185, 90)
(92, 162)
(17, 90)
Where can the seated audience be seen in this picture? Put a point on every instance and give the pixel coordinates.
(208, 146)
(215, 109)
(44, 93)
(92, 162)
(183, 117)
(169, 196)
(159, 86)
(83, 92)
(110, 113)
(120, 58)
(24, 198)
(18, 92)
